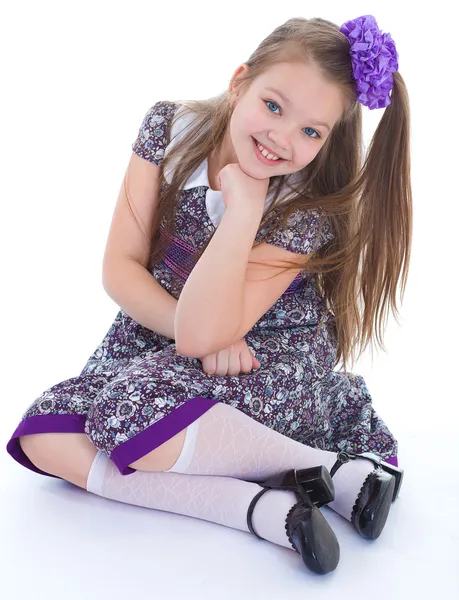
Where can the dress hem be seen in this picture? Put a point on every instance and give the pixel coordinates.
(156, 434)
(42, 424)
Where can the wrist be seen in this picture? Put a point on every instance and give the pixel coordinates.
(246, 210)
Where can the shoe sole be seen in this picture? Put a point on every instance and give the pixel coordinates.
(381, 509)
(317, 543)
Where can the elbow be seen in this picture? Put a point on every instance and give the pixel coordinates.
(191, 341)
(108, 279)
(182, 347)
(192, 346)
(188, 343)
(196, 342)
(106, 285)
(186, 352)
(189, 350)
(195, 347)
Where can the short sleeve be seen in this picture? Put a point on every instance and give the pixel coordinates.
(152, 137)
(306, 231)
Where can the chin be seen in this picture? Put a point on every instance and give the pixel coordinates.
(250, 168)
(252, 172)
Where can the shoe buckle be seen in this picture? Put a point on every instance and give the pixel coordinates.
(345, 456)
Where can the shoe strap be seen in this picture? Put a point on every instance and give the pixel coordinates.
(250, 512)
(344, 456)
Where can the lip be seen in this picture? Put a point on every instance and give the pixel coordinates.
(268, 161)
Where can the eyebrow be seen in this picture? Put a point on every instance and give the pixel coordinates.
(287, 101)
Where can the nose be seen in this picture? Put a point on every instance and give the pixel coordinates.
(280, 143)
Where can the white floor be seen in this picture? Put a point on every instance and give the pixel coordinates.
(58, 541)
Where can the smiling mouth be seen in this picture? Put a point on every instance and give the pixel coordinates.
(278, 160)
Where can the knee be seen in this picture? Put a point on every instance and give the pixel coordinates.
(35, 448)
(65, 455)
(164, 457)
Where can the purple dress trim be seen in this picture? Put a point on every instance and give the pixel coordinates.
(393, 460)
(126, 453)
(159, 432)
(43, 424)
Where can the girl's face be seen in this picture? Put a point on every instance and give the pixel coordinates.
(292, 123)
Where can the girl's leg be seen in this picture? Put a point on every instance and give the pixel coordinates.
(66, 455)
(221, 500)
(225, 441)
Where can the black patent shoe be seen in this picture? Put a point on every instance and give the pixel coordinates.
(378, 491)
(314, 483)
(347, 455)
(308, 532)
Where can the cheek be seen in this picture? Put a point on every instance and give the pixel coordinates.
(257, 123)
(308, 152)
(251, 122)
(304, 155)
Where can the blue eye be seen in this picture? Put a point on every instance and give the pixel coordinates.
(306, 128)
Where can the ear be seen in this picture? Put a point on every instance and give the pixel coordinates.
(234, 90)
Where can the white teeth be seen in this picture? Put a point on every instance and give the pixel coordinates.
(266, 153)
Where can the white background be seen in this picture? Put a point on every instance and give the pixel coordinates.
(77, 80)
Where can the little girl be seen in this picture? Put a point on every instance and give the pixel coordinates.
(249, 222)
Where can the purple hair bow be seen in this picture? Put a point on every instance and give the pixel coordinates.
(374, 59)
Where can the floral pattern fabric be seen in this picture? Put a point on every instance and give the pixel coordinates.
(135, 391)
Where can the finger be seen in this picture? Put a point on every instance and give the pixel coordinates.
(234, 363)
(222, 362)
(255, 362)
(209, 364)
(246, 360)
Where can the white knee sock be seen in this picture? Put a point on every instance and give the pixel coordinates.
(225, 441)
(221, 500)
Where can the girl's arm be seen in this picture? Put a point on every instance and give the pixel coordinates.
(210, 306)
(138, 293)
(125, 275)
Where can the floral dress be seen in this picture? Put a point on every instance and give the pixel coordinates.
(135, 392)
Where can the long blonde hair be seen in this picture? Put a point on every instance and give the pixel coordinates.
(368, 200)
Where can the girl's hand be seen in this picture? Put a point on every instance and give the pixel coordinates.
(242, 190)
(230, 361)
